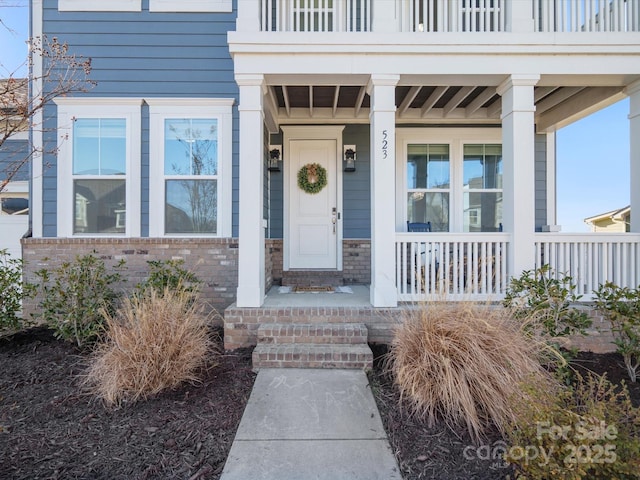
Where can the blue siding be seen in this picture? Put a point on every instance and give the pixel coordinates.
(12, 153)
(356, 185)
(144, 54)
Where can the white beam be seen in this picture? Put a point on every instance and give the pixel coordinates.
(359, 100)
(579, 106)
(411, 95)
(480, 100)
(287, 105)
(433, 99)
(457, 99)
(556, 98)
(336, 95)
(542, 92)
(493, 110)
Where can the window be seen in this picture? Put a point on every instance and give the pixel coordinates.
(450, 178)
(482, 188)
(428, 183)
(190, 167)
(99, 167)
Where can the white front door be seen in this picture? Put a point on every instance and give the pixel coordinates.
(313, 228)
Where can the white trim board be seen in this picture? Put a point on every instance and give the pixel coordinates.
(99, 5)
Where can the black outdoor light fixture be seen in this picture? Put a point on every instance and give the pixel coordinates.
(349, 158)
(275, 156)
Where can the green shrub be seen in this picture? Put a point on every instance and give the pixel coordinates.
(154, 341)
(547, 298)
(75, 295)
(168, 274)
(461, 363)
(589, 431)
(14, 291)
(621, 306)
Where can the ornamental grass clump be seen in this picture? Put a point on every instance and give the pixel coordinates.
(155, 341)
(463, 363)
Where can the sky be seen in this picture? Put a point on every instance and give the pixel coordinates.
(592, 154)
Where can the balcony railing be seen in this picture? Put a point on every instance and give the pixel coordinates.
(591, 260)
(458, 16)
(587, 15)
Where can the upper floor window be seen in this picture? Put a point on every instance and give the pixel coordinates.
(99, 167)
(190, 168)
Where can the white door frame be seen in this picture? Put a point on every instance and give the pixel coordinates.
(311, 132)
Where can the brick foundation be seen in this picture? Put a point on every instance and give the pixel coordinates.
(214, 261)
(356, 261)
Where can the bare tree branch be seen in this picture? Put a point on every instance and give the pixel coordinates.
(63, 74)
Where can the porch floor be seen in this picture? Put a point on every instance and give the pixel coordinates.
(359, 297)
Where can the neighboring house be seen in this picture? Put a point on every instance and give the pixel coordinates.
(614, 221)
(14, 198)
(442, 111)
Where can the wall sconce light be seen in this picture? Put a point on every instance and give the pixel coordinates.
(349, 158)
(275, 156)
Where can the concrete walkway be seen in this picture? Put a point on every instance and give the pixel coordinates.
(311, 424)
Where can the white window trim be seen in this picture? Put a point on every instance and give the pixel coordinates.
(99, 5)
(456, 138)
(163, 108)
(190, 6)
(68, 110)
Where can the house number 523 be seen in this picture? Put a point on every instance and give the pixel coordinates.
(385, 145)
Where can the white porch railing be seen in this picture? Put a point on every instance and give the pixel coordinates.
(453, 15)
(457, 16)
(452, 266)
(315, 15)
(591, 260)
(587, 15)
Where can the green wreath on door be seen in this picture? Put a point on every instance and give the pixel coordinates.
(312, 178)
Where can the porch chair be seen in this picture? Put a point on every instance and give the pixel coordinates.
(418, 226)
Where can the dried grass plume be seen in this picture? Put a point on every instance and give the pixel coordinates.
(155, 341)
(463, 363)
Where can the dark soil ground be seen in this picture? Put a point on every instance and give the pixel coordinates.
(50, 429)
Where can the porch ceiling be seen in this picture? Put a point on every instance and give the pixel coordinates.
(556, 106)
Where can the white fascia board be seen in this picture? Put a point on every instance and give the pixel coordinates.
(19, 186)
(100, 5)
(100, 102)
(22, 135)
(201, 6)
(183, 103)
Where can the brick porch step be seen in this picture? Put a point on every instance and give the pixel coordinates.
(317, 345)
(308, 355)
(312, 278)
(316, 333)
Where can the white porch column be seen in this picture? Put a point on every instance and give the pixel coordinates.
(382, 89)
(251, 288)
(518, 157)
(248, 19)
(633, 91)
(384, 16)
(520, 16)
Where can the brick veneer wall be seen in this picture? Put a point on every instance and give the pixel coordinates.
(214, 261)
(356, 261)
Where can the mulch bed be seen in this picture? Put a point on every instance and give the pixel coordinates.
(50, 429)
(445, 453)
